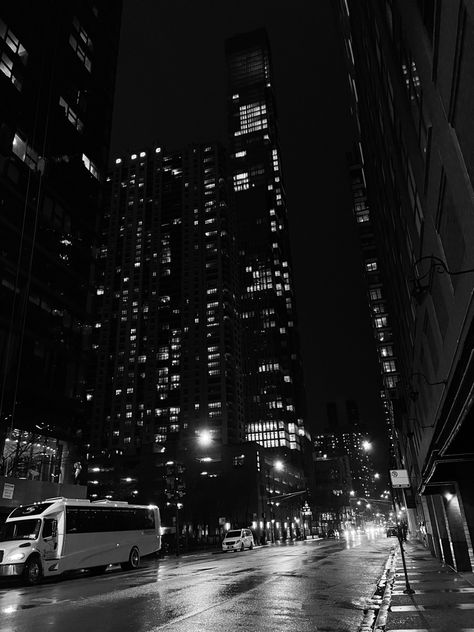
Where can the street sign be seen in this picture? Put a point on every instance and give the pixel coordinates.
(399, 478)
(222, 520)
(8, 490)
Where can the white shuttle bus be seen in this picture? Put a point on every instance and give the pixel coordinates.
(60, 534)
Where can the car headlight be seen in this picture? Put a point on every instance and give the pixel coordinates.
(15, 557)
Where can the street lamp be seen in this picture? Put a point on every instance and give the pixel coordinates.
(204, 438)
(278, 465)
(376, 475)
(367, 445)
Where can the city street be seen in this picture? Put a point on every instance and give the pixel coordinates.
(303, 586)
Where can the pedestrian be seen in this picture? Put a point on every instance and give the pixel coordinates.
(77, 472)
(404, 531)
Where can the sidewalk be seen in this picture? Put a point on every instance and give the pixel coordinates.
(443, 600)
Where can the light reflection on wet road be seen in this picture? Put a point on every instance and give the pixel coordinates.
(298, 587)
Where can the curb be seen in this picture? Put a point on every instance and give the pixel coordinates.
(381, 620)
(375, 614)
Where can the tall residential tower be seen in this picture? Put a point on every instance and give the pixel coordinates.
(273, 379)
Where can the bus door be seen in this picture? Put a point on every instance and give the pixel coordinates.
(50, 538)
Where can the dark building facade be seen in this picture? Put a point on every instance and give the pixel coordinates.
(410, 68)
(57, 74)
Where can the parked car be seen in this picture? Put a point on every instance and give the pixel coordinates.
(238, 540)
(392, 531)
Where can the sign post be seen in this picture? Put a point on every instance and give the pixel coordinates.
(399, 479)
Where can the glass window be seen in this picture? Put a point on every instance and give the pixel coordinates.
(21, 530)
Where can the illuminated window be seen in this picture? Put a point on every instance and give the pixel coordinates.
(241, 181)
(390, 381)
(25, 153)
(375, 294)
(90, 166)
(388, 366)
(6, 66)
(371, 266)
(71, 115)
(252, 118)
(12, 42)
(81, 44)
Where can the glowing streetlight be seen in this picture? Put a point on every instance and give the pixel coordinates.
(352, 492)
(376, 475)
(204, 438)
(278, 465)
(367, 445)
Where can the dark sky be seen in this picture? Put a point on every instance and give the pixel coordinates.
(171, 89)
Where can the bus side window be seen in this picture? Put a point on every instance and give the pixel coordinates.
(149, 519)
(71, 520)
(49, 528)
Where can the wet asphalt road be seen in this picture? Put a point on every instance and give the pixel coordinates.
(301, 587)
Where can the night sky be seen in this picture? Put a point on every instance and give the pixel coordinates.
(171, 89)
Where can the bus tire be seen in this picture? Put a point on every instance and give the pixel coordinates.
(32, 572)
(133, 560)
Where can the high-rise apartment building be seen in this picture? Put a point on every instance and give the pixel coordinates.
(196, 335)
(410, 68)
(344, 435)
(168, 328)
(272, 372)
(57, 74)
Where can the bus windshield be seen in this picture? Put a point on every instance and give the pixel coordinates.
(21, 530)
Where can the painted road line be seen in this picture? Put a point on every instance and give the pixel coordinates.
(430, 591)
(458, 606)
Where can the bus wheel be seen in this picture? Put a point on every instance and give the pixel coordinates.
(133, 560)
(32, 573)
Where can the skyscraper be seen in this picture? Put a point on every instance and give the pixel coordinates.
(168, 328)
(272, 372)
(57, 73)
(410, 66)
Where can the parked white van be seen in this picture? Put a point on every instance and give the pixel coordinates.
(61, 534)
(238, 540)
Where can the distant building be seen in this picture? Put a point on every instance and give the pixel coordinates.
(413, 60)
(343, 436)
(348, 444)
(57, 74)
(333, 492)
